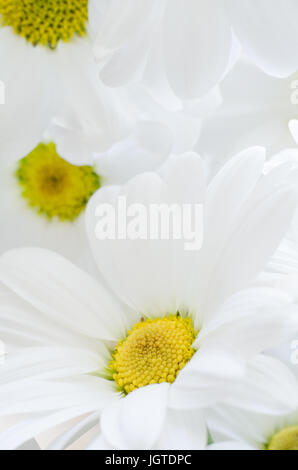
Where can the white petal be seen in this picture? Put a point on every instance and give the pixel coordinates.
(120, 261)
(146, 273)
(120, 22)
(21, 433)
(99, 443)
(128, 40)
(206, 379)
(34, 396)
(255, 236)
(237, 425)
(268, 387)
(97, 117)
(268, 33)
(255, 114)
(134, 422)
(22, 326)
(192, 67)
(69, 437)
(155, 78)
(144, 150)
(226, 193)
(183, 430)
(59, 289)
(96, 12)
(250, 322)
(29, 77)
(48, 363)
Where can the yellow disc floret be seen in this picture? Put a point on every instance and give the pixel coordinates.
(45, 22)
(286, 439)
(54, 187)
(154, 351)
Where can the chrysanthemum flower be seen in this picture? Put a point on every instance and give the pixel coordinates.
(49, 41)
(45, 64)
(177, 336)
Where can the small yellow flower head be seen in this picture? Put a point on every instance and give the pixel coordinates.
(153, 352)
(286, 439)
(54, 187)
(45, 22)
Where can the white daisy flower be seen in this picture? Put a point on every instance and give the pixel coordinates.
(46, 63)
(46, 196)
(59, 79)
(187, 328)
(189, 46)
(236, 428)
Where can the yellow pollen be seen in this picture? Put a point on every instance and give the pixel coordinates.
(54, 187)
(45, 22)
(154, 351)
(286, 439)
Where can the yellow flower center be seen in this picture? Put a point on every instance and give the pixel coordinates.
(45, 22)
(54, 187)
(286, 439)
(154, 351)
